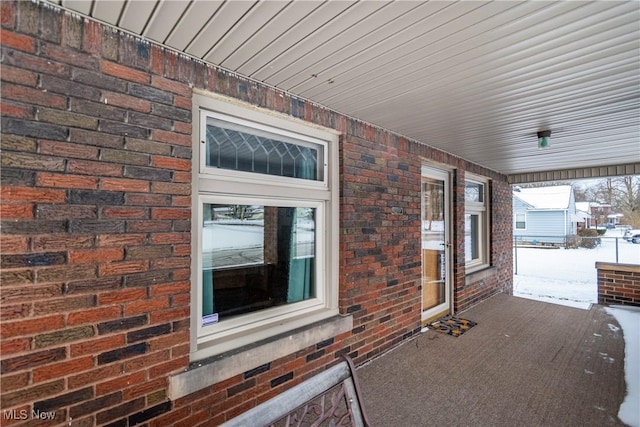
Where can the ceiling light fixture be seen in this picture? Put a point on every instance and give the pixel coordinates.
(544, 139)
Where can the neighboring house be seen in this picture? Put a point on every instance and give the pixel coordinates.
(582, 211)
(544, 214)
(614, 219)
(599, 214)
(180, 244)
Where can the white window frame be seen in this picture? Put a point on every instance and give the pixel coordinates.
(515, 224)
(482, 210)
(215, 185)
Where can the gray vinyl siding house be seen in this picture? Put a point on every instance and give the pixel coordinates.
(544, 214)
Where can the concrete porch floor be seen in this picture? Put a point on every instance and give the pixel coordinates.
(526, 363)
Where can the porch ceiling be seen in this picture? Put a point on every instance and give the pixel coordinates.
(475, 79)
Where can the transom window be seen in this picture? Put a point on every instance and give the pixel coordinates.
(264, 227)
(239, 147)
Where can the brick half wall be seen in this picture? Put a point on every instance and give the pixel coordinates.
(618, 283)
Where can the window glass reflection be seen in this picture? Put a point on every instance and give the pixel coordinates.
(255, 257)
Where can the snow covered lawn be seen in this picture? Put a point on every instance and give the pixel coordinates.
(569, 277)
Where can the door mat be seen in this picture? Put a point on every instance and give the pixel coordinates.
(451, 325)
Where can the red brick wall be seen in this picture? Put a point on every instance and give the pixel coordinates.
(379, 251)
(618, 284)
(96, 172)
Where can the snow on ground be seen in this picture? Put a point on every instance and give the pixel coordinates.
(629, 320)
(569, 277)
(556, 291)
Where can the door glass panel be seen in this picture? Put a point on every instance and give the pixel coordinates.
(433, 243)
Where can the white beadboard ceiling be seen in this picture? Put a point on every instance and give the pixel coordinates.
(476, 79)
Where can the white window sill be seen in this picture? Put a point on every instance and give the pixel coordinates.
(219, 368)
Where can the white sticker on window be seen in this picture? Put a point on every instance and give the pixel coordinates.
(210, 319)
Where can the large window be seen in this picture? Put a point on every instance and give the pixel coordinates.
(264, 227)
(476, 227)
(255, 257)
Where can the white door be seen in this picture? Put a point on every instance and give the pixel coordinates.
(436, 244)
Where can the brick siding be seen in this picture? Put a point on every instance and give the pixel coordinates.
(618, 284)
(96, 207)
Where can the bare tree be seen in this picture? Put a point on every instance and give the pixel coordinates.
(622, 193)
(628, 196)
